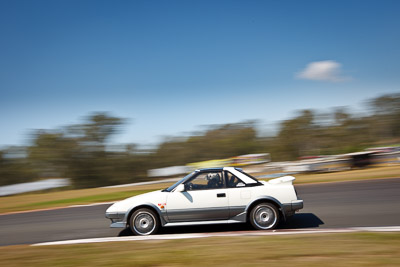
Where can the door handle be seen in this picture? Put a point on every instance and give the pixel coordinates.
(221, 195)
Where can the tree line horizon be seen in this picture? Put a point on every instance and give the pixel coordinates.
(79, 151)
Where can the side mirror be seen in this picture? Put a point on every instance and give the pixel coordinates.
(240, 184)
(180, 188)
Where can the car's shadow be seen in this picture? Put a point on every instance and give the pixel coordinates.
(298, 221)
(302, 220)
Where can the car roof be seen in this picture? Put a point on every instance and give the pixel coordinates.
(218, 169)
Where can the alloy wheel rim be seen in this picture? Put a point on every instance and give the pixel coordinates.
(144, 223)
(265, 217)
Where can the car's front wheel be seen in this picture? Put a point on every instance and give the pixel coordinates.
(144, 222)
(264, 216)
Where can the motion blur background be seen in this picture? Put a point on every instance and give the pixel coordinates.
(101, 92)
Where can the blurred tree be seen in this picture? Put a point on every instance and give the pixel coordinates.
(296, 136)
(385, 121)
(51, 153)
(100, 127)
(83, 152)
(14, 167)
(217, 142)
(78, 152)
(90, 164)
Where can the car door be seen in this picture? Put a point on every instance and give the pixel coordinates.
(204, 199)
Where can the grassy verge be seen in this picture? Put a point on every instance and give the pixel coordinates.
(71, 197)
(351, 249)
(85, 199)
(351, 175)
(87, 196)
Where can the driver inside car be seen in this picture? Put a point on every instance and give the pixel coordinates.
(214, 180)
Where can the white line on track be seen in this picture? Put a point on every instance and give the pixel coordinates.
(227, 234)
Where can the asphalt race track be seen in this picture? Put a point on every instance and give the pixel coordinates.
(331, 205)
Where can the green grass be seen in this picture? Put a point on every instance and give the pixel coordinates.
(350, 249)
(350, 175)
(70, 197)
(85, 199)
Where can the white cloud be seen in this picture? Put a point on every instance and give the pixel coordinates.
(328, 70)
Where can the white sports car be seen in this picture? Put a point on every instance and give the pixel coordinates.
(209, 196)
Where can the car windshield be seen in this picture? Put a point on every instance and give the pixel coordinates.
(169, 189)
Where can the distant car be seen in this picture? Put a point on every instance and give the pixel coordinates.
(209, 196)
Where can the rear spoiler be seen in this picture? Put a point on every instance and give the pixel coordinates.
(281, 180)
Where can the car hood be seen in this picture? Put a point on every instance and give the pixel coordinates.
(154, 198)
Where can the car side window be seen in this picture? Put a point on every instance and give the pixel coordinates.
(205, 181)
(232, 181)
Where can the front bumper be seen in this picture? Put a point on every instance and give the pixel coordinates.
(117, 219)
(290, 208)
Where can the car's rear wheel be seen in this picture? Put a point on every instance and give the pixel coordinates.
(144, 222)
(264, 216)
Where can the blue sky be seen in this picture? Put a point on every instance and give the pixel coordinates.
(171, 66)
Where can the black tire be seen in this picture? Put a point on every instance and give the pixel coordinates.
(264, 216)
(144, 222)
